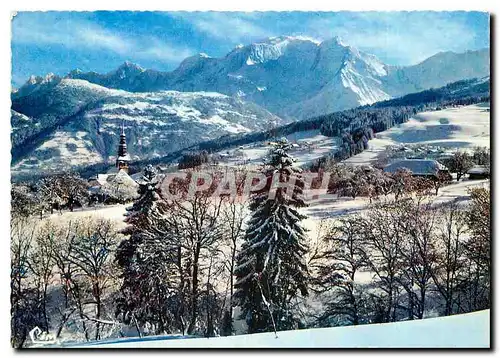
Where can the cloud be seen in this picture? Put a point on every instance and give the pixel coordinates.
(84, 34)
(405, 38)
(235, 27)
(164, 51)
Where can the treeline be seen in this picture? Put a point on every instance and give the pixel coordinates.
(194, 159)
(423, 260)
(380, 116)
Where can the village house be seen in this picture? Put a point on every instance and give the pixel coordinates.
(479, 172)
(419, 167)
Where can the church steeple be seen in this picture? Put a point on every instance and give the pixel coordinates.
(123, 158)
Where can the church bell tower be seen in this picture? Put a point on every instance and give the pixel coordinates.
(123, 158)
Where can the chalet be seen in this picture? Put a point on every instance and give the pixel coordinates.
(479, 172)
(418, 167)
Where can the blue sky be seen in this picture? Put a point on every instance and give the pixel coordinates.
(58, 42)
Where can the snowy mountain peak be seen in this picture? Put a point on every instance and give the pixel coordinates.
(35, 80)
(129, 68)
(339, 41)
(75, 72)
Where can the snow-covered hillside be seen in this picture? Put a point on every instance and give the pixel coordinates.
(74, 122)
(453, 128)
(470, 330)
(298, 77)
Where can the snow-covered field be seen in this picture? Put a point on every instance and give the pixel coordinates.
(329, 206)
(462, 127)
(471, 330)
(110, 212)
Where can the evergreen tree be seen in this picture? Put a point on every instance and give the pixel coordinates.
(145, 259)
(271, 269)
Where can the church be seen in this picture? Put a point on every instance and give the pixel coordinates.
(123, 158)
(116, 185)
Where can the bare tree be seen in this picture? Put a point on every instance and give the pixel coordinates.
(196, 220)
(234, 214)
(92, 252)
(449, 258)
(478, 249)
(383, 239)
(41, 265)
(402, 183)
(25, 313)
(337, 272)
(61, 243)
(418, 224)
(460, 163)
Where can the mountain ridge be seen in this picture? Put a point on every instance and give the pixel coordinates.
(294, 77)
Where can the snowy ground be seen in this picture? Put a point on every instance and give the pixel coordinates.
(470, 330)
(329, 206)
(110, 212)
(462, 127)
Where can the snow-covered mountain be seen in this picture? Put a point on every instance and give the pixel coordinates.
(297, 77)
(62, 123)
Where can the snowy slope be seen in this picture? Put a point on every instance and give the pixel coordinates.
(452, 129)
(74, 122)
(298, 77)
(442, 68)
(470, 330)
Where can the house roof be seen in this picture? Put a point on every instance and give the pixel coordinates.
(416, 166)
(478, 169)
(101, 178)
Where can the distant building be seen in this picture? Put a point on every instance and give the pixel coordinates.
(418, 167)
(479, 172)
(123, 157)
(116, 185)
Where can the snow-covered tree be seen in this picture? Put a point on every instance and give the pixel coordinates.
(336, 273)
(63, 190)
(145, 258)
(460, 163)
(271, 270)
